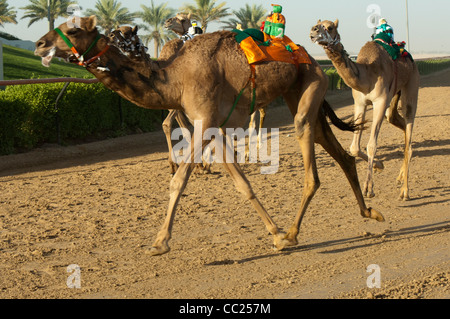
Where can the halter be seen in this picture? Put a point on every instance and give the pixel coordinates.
(330, 40)
(80, 57)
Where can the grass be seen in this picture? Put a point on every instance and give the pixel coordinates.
(23, 64)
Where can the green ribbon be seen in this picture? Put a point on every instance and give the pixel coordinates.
(72, 47)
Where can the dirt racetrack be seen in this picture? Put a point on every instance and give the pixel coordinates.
(100, 205)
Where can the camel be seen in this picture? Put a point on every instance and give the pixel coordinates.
(221, 70)
(377, 80)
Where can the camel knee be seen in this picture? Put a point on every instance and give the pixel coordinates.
(167, 127)
(246, 190)
(312, 185)
(301, 124)
(177, 184)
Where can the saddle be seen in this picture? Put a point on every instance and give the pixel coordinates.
(260, 47)
(395, 50)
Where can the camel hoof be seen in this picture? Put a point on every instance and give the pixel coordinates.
(203, 169)
(369, 194)
(372, 213)
(378, 165)
(158, 250)
(282, 240)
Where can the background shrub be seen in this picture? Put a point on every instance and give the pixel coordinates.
(28, 116)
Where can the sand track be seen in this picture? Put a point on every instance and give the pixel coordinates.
(100, 206)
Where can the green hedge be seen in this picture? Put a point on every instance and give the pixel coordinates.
(335, 82)
(425, 67)
(430, 66)
(28, 115)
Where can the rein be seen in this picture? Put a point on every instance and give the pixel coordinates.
(81, 57)
(252, 81)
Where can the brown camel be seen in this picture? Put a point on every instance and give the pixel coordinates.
(377, 80)
(221, 70)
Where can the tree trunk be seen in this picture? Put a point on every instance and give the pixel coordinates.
(156, 43)
(51, 24)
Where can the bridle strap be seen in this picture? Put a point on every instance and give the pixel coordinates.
(80, 57)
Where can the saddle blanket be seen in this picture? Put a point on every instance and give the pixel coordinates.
(394, 50)
(259, 47)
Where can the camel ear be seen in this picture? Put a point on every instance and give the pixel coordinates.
(91, 23)
(336, 23)
(319, 22)
(135, 30)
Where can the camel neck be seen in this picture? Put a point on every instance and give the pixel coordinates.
(352, 73)
(133, 81)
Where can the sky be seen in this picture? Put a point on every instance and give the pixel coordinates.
(428, 20)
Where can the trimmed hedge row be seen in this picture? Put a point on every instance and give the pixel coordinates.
(430, 66)
(425, 67)
(28, 116)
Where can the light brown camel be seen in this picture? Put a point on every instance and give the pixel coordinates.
(221, 71)
(377, 80)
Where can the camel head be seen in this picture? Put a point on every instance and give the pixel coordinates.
(179, 24)
(82, 37)
(126, 39)
(325, 33)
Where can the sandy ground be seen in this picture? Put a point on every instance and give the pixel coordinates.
(100, 205)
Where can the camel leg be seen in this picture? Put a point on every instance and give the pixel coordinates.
(326, 138)
(262, 117)
(409, 107)
(379, 110)
(305, 120)
(392, 115)
(167, 128)
(177, 186)
(243, 186)
(251, 127)
(360, 109)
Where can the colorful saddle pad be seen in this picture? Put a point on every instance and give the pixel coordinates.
(259, 47)
(394, 50)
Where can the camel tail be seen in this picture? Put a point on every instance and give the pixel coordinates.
(340, 124)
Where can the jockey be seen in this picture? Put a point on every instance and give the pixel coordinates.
(193, 31)
(386, 28)
(275, 24)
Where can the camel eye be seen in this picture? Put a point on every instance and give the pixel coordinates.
(330, 28)
(72, 31)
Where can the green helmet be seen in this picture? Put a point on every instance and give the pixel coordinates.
(277, 9)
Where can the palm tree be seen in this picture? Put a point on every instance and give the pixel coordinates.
(206, 11)
(248, 17)
(7, 14)
(39, 10)
(154, 18)
(110, 14)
